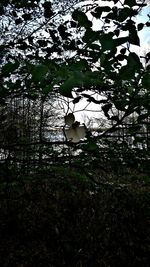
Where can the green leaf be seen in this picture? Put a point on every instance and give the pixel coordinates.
(39, 72)
(81, 18)
(66, 88)
(80, 65)
(47, 89)
(9, 68)
(91, 146)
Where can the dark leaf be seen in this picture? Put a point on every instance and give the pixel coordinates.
(1, 11)
(98, 11)
(146, 80)
(76, 100)
(67, 86)
(26, 16)
(18, 21)
(62, 31)
(47, 89)
(81, 18)
(133, 36)
(106, 109)
(48, 10)
(123, 51)
(38, 72)
(117, 32)
(42, 43)
(121, 57)
(73, 24)
(134, 65)
(124, 13)
(9, 68)
(115, 118)
(111, 16)
(140, 26)
(130, 3)
(90, 36)
(107, 42)
(121, 41)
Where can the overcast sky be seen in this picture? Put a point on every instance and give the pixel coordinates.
(145, 33)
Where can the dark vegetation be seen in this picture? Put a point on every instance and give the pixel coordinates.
(66, 203)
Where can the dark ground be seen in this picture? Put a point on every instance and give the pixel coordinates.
(61, 218)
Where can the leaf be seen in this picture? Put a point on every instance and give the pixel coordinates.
(140, 26)
(47, 89)
(115, 118)
(123, 51)
(9, 68)
(124, 13)
(98, 11)
(134, 65)
(121, 57)
(62, 31)
(121, 40)
(39, 72)
(47, 9)
(106, 108)
(148, 24)
(133, 36)
(107, 42)
(81, 18)
(80, 65)
(134, 61)
(69, 119)
(66, 88)
(76, 100)
(130, 3)
(18, 21)
(120, 105)
(90, 36)
(91, 146)
(146, 81)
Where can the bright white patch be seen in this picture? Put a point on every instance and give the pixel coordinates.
(75, 132)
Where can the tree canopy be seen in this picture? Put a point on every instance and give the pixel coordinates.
(78, 51)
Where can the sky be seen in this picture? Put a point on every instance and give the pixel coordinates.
(145, 33)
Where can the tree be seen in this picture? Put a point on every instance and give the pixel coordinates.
(45, 55)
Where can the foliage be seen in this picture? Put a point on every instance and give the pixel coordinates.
(71, 57)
